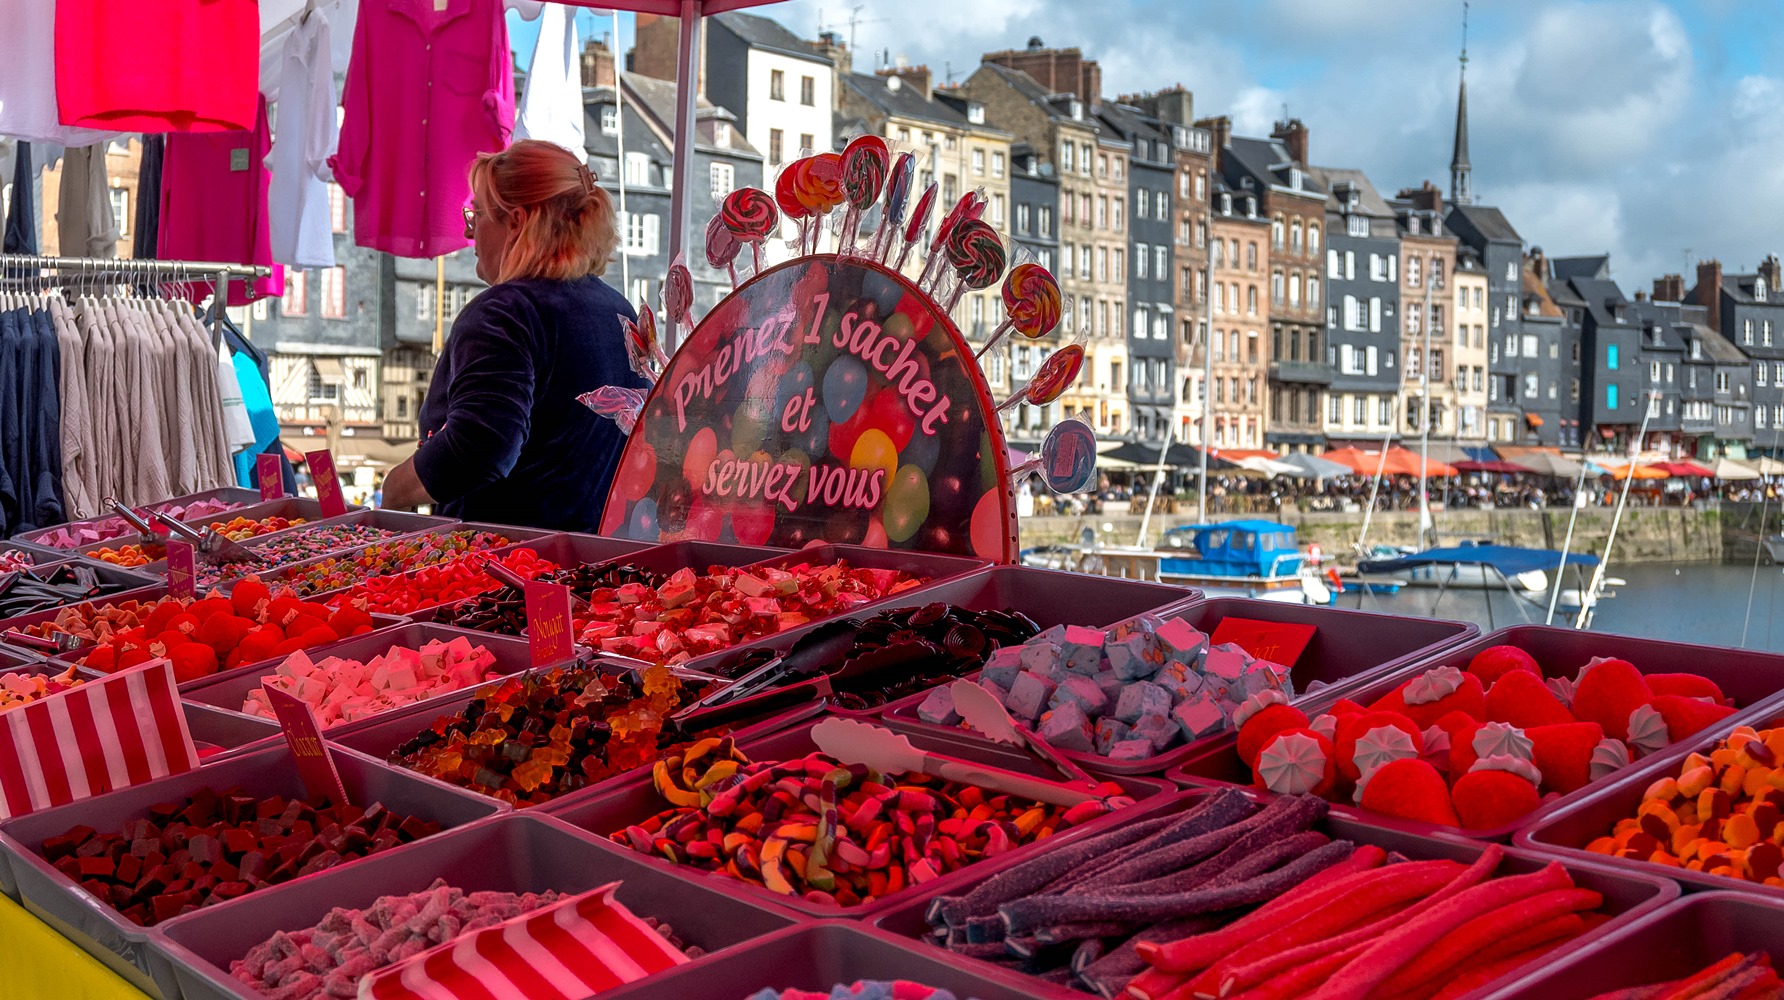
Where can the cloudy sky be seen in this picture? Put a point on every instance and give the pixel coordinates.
(1637, 127)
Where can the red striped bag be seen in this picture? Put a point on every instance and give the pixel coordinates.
(111, 733)
(572, 949)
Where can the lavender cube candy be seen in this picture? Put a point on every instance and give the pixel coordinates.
(1068, 728)
(1054, 635)
(1002, 666)
(998, 691)
(1028, 696)
(1262, 675)
(1043, 658)
(1182, 681)
(938, 707)
(1111, 686)
(1182, 642)
(1158, 731)
(1142, 698)
(1139, 625)
(1083, 692)
(1199, 717)
(1082, 649)
(1109, 732)
(1131, 750)
(1136, 657)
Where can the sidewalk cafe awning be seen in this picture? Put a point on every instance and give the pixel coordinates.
(1503, 468)
(1683, 470)
(1633, 470)
(1729, 470)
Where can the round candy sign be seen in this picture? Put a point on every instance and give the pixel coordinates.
(826, 399)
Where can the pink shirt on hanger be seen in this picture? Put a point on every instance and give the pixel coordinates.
(166, 66)
(213, 206)
(430, 86)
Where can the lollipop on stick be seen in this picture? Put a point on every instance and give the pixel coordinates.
(1067, 462)
(970, 206)
(642, 348)
(1057, 374)
(864, 165)
(750, 215)
(977, 255)
(722, 247)
(898, 196)
(786, 195)
(918, 224)
(819, 188)
(678, 294)
(1032, 301)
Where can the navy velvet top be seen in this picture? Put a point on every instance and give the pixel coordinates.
(503, 437)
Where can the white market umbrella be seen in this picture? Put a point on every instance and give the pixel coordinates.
(1729, 469)
(1308, 466)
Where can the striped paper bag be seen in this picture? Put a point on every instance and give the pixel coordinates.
(106, 734)
(572, 949)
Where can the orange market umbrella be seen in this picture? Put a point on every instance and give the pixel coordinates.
(1405, 462)
(1363, 463)
(1635, 471)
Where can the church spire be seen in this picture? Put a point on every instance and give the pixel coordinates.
(1461, 192)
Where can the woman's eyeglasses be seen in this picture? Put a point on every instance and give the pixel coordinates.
(470, 222)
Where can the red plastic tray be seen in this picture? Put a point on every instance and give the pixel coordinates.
(1746, 676)
(1627, 895)
(634, 799)
(1670, 943)
(1566, 826)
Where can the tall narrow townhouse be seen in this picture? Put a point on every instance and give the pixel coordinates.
(1240, 256)
(1151, 177)
(1433, 368)
(1468, 309)
(1362, 309)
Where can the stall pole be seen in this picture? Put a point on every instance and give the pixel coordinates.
(687, 82)
(439, 304)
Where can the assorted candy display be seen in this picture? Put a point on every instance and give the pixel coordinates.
(861, 989)
(1233, 899)
(1128, 694)
(833, 833)
(905, 650)
(439, 583)
(1747, 976)
(216, 846)
(340, 689)
(504, 610)
(15, 560)
(293, 546)
(21, 687)
(202, 637)
(240, 529)
(43, 589)
(1479, 748)
(691, 613)
(398, 555)
(78, 533)
(130, 554)
(1723, 813)
(529, 739)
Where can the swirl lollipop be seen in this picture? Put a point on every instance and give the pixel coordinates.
(1032, 302)
(786, 195)
(819, 188)
(970, 206)
(864, 165)
(1057, 374)
(750, 215)
(898, 195)
(919, 221)
(722, 247)
(678, 294)
(642, 347)
(977, 255)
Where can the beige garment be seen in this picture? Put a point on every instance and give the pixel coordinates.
(210, 435)
(176, 381)
(152, 481)
(85, 226)
(102, 391)
(77, 414)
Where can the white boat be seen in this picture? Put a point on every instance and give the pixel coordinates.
(1472, 577)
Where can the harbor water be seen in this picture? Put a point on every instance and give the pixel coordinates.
(1687, 602)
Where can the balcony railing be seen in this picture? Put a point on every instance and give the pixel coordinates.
(1306, 372)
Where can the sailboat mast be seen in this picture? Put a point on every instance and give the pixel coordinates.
(1425, 522)
(1589, 601)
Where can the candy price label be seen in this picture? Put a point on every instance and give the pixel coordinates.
(182, 570)
(824, 400)
(328, 485)
(270, 477)
(1278, 642)
(314, 764)
(548, 622)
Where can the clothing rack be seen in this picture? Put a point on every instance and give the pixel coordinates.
(16, 268)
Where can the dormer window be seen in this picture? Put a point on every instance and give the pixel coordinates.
(1412, 225)
(1759, 289)
(1251, 208)
(1295, 178)
(1226, 204)
(975, 113)
(1077, 109)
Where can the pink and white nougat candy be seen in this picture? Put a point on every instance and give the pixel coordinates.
(344, 690)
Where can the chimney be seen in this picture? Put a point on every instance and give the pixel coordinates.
(653, 54)
(830, 46)
(1061, 71)
(1293, 135)
(917, 77)
(1426, 198)
(1769, 270)
(1539, 264)
(1709, 291)
(1220, 130)
(597, 65)
(1669, 288)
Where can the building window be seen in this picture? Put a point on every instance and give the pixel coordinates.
(808, 91)
(609, 120)
(1721, 381)
(337, 208)
(1276, 288)
(1251, 256)
(1142, 206)
(1022, 218)
(978, 161)
(1610, 395)
(1313, 239)
(1159, 264)
(1765, 334)
(424, 303)
(1044, 220)
(1610, 356)
(1412, 271)
(295, 301)
(641, 233)
(776, 144)
(334, 293)
(997, 164)
(638, 169)
(1141, 259)
(1312, 292)
(808, 144)
(723, 178)
(1251, 300)
(1357, 225)
(1065, 157)
(319, 390)
(997, 209)
(777, 85)
(120, 206)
